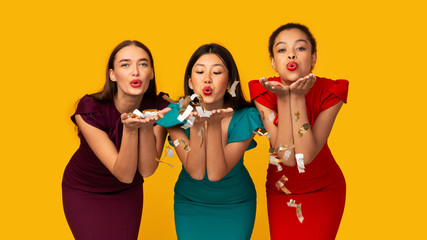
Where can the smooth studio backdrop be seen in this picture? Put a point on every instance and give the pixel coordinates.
(54, 52)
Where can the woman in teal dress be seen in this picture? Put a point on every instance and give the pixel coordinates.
(215, 197)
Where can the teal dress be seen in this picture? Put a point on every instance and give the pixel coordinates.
(224, 209)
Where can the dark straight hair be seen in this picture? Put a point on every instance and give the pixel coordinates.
(237, 102)
(110, 88)
(287, 26)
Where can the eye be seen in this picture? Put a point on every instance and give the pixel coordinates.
(199, 72)
(124, 65)
(301, 48)
(281, 50)
(143, 64)
(217, 73)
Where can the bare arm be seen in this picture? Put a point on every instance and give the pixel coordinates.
(220, 156)
(310, 141)
(150, 145)
(193, 161)
(121, 164)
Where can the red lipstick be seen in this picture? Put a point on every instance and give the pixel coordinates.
(136, 83)
(292, 66)
(207, 90)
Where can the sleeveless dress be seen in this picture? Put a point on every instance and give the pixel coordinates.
(96, 204)
(224, 209)
(321, 189)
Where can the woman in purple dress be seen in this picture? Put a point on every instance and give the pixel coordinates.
(102, 183)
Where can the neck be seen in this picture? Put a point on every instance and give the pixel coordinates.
(127, 103)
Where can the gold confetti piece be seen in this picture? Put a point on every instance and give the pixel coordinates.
(297, 116)
(280, 184)
(167, 98)
(260, 132)
(232, 89)
(303, 129)
(300, 162)
(185, 104)
(158, 160)
(181, 142)
(184, 145)
(292, 203)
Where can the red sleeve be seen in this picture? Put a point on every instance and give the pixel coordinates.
(261, 95)
(90, 111)
(336, 92)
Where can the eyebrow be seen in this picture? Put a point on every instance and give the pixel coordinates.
(200, 64)
(299, 40)
(128, 60)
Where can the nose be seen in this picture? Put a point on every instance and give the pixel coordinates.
(208, 79)
(135, 71)
(291, 56)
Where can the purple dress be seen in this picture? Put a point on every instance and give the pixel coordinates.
(96, 204)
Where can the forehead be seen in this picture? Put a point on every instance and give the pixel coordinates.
(209, 59)
(290, 36)
(132, 52)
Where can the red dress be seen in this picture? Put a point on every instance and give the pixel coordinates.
(321, 189)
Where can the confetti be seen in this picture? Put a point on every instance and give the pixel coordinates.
(262, 132)
(183, 104)
(144, 114)
(167, 98)
(182, 143)
(303, 129)
(272, 161)
(186, 113)
(280, 184)
(232, 89)
(169, 152)
(158, 160)
(202, 113)
(271, 117)
(300, 162)
(292, 203)
(189, 123)
(193, 96)
(297, 116)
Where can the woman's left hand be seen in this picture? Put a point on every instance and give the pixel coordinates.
(218, 114)
(303, 85)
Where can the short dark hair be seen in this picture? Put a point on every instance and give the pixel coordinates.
(110, 88)
(287, 26)
(237, 102)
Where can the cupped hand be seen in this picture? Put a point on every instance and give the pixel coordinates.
(303, 85)
(275, 87)
(134, 123)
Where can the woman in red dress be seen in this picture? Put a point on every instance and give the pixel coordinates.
(102, 183)
(305, 186)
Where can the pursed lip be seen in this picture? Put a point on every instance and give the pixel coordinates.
(291, 66)
(207, 90)
(136, 83)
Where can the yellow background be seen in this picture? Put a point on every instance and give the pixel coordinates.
(54, 52)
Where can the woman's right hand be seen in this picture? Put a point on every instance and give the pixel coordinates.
(134, 123)
(274, 87)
